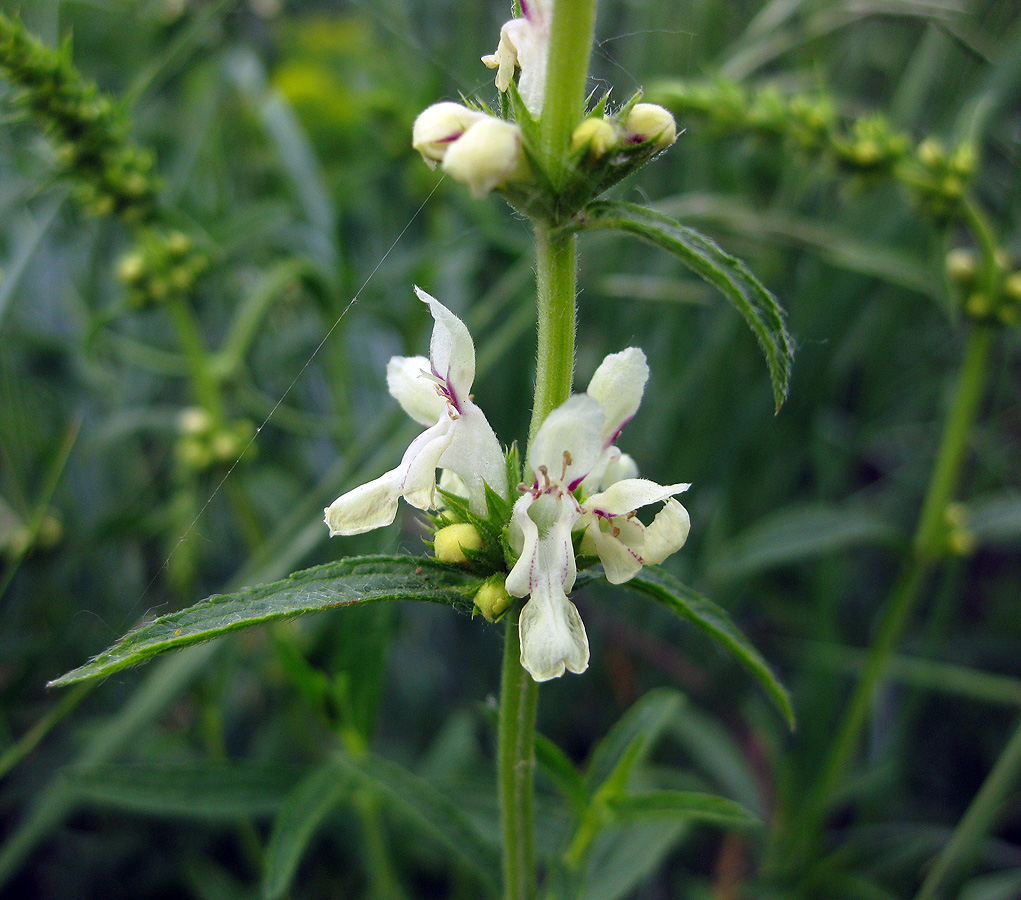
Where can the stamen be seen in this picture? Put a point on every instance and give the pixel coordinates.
(567, 462)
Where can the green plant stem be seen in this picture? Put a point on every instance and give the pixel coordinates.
(958, 853)
(516, 765)
(201, 369)
(555, 292)
(555, 263)
(566, 75)
(928, 546)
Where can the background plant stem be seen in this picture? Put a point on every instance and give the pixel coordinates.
(928, 545)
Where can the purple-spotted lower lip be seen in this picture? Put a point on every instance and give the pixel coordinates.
(525, 10)
(574, 484)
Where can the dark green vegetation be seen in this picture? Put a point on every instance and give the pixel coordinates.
(346, 753)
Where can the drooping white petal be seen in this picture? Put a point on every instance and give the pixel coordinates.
(475, 455)
(552, 636)
(451, 349)
(551, 631)
(618, 552)
(625, 496)
(524, 537)
(410, 384)
(420, 462)
(366, 507)
(618, 385)
(667, 533)
(568, 443)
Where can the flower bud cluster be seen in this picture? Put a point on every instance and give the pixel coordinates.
(112, 176)
(162, 266)
(868, 147)
(203, 444)
(488, 153)
(993, 297)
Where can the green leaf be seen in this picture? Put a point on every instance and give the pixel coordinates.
(731, 276)
(625, 855)
(690, 805)
(359, 579)
(301, 814)
(995, 518)
(194, 792)
(437, 813)
(631, 737)
(562, 772)
(713, 621)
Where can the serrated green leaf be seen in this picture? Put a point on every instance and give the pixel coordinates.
(714, 622)
(631, 737)
(727, 273)
(194, 792)
(428, 807)
(360, 579)
(301, 814)
(689, 805)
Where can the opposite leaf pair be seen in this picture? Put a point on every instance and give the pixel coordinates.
(582, 487)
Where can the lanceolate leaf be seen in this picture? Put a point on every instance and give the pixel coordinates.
(690, 805)
(362, 579)
(731, 276)
(715, 622)
(431, 809)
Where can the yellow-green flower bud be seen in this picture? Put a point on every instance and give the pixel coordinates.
(131, 268)
(961, 265)
(438, 127)
(194, 420)
(598, 134)
(931, 152)
(650, 122)
(492, 599)
(449, 543)
(1012, 286)
(486, 156)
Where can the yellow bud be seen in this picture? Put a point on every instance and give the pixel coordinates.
(492, 599)
(449, 543)
(931, 152)
(131, 268)
(978, 304)
(647, 122)
(1012, 286)
(598, 134)
(194, 421)
(178, 243)
(961, 265)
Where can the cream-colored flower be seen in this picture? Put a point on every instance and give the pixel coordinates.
(581, 481)
(435, 392)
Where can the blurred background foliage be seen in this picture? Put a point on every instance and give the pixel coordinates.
(180, 398)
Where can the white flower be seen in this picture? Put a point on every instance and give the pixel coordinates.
(577, 484)
(525, 43)
(436, 393)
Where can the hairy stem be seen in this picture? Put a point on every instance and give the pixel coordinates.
(516, 765)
